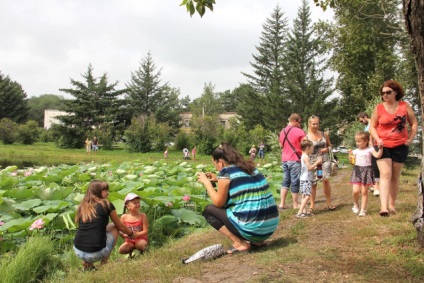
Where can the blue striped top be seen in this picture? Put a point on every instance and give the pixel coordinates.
(250, 205)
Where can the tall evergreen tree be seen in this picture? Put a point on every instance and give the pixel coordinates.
(145, 91)
(95, 103)
(268, 72)
(208, 104)
(13, 100)
(305, 66)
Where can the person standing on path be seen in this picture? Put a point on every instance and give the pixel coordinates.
(365, 120)
(389, 128)
(322, 147)
(290, 138)
(95, 145)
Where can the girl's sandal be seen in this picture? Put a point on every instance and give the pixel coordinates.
(310, 211)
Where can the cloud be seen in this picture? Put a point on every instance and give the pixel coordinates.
(47, 42)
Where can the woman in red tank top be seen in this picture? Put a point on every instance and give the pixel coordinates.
(389, 128)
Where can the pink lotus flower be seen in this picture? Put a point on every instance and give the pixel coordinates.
(186, 198)
(38, 224)
(1, 223)
(169, 204)
(27, 173)
(14, 174)
(141, 174)
(110, 173)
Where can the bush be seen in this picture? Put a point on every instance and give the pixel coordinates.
(28, 133)
(137, 135)
(105, 135)
(34, 261)
(8, 131)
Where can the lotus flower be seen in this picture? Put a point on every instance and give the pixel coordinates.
(1, 223)
(14, 173)
(186, 198)
(169, 204)
(27, 173)
(38, 224)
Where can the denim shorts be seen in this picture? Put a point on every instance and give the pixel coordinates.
(291, 176)
(99, 255)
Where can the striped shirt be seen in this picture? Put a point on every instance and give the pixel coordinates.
(250, 205)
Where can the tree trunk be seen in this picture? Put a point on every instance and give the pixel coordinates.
(413, 11)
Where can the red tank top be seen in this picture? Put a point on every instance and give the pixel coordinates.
(391, 128)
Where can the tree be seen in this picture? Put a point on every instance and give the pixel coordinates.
(268, 72)
(365, 44)
(145, 92)
(95, 103)
(170, 108)
(13, 100)
(304, 72)
(413, 11)
(38, 104)
(208, 104)
(201, 6)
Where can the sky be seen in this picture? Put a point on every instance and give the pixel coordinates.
(46, 43)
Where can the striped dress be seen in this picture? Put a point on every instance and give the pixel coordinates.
(250, 206)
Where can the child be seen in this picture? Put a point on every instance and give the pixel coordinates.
(138, 223)
(193, 153)
(186, 154)
(252, 152)
(95, 238)
(306, 175)
(261, 152)
(87, 145)
(165, 154)
(362, 176)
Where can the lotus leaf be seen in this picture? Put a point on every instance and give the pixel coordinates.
(187, 216)
(19, 193)
(10, 169)
(27, 205)
(7, 183)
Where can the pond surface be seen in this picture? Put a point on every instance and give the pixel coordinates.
(22, 164)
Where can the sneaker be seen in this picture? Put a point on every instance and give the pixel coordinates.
(301, 215)
(376, 193)
(362, 213)
(371, 189)
(355, 209)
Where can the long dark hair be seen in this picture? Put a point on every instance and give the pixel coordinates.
(86, 210)
(232, 157)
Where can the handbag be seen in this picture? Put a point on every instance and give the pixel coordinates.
(334, 164)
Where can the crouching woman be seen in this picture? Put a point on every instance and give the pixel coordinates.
(243, 208)
(95, 237)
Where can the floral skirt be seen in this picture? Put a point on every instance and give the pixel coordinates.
(362, 175)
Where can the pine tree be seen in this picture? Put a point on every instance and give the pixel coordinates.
(268, 69)
(305, 66)
(145, 91)
(13, 100)
(95, 103)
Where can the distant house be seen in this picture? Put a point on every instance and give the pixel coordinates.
(185, 119)
(50, 117)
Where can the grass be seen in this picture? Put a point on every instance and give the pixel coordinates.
(332, 246)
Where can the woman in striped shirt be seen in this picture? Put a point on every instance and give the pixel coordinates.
(243, 208)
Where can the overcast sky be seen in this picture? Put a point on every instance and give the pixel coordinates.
(45, 43)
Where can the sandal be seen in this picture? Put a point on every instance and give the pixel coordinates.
(384, 213)
(310, 211)
(331, 207)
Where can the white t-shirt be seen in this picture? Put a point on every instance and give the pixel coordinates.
(363, 156)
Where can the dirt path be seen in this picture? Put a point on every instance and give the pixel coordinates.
(332, 246)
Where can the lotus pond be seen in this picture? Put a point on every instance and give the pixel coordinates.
(44, 199)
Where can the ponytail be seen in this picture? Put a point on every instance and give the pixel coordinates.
(231, 156)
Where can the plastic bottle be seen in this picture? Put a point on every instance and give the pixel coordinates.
(319, 171)
(351, 158)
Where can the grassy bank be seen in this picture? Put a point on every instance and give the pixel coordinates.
(332, 246)
(48, 154)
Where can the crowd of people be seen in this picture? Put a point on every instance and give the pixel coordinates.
(243, 208)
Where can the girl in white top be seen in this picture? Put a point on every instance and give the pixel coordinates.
(306, 175)
(362, 176)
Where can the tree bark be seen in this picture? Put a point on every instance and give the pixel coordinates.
(413, 11)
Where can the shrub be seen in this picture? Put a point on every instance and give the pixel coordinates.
(7, 131)
(28, 133)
